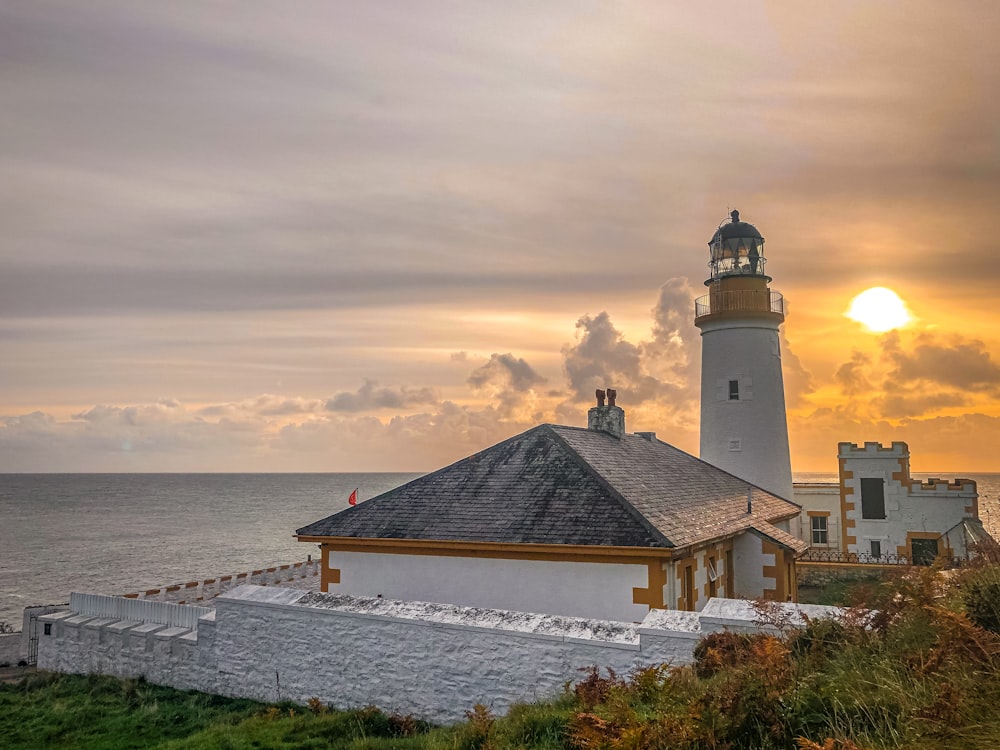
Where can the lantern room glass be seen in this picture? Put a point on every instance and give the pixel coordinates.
(737, 256)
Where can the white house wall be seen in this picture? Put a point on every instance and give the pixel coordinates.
(820, 499)
(576, 589)
(750, 562)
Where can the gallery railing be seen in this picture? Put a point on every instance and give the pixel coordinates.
(863, 558)
(739, 301)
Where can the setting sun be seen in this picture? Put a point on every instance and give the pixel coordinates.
(879, 310)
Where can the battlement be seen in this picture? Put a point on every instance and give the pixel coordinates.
(898, 449)
(194, 592)
(933, 484)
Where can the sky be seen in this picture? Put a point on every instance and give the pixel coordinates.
(341, 236)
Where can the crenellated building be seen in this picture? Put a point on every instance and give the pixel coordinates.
(878, 512)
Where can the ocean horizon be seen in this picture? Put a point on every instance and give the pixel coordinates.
(123, 532)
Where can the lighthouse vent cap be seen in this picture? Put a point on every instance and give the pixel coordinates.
(734, 229)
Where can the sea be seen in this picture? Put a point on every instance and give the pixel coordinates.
(118, 533)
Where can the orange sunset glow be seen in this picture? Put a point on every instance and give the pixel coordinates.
(363, 238)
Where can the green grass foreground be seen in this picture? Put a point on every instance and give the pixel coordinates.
(923, 671)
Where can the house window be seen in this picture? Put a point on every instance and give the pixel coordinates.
(820, 533)
(735, 444)
(713, 578)
(734, 390)
(876, 548)
(47, 630)
(872, 498)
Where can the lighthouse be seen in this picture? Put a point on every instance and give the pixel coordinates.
(744, 429)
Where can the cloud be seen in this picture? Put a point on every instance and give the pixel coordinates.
(603, 358)
(958, 363)
(851, 375)
(145, 437)
(945, 444)
(675, 349)
(511, 382)
(915, 403)
(914, 374)
(508, 370)
(663, 368)
(414, 442)
(263, 406)
(371, 396)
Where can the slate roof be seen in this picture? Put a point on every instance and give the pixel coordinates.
(568, 485)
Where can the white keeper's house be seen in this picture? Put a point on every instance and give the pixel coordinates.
(565, 520)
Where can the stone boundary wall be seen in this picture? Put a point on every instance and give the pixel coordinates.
(821, 574)
(434, 661)
(10, 649)
(193, 592)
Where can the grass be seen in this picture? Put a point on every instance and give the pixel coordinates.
(845, 591)
(47, 710)
(922, 672)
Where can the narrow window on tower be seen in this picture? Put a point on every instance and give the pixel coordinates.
(734, 390)
(872, 498)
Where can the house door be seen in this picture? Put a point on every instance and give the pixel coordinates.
(924, 551)
(690, 597)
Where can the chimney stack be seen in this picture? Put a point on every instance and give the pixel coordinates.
(607, 418)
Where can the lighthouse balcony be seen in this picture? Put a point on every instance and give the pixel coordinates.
(737, 302)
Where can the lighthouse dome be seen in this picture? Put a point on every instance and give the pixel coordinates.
(735, 229)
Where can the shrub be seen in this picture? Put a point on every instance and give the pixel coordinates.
(981, 597)
(594, 689)
(475, 733)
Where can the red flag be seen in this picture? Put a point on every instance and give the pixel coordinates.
(353, 499)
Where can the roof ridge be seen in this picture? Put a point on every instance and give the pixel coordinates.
(610, 488)
(719, 468)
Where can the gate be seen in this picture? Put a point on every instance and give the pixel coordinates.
(32, 627)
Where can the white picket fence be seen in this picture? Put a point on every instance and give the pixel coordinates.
(139, 610)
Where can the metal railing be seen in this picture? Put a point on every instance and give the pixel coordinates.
(864, 558)
(139, 610)
(739, 300)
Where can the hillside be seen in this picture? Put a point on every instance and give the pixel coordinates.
(923, 672)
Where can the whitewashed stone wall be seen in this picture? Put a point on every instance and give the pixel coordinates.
(432, 660)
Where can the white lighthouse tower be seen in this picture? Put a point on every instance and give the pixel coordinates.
(743, 425)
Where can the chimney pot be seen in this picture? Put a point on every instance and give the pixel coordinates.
(607, 418)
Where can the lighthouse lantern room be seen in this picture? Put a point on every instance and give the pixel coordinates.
(744, 429)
